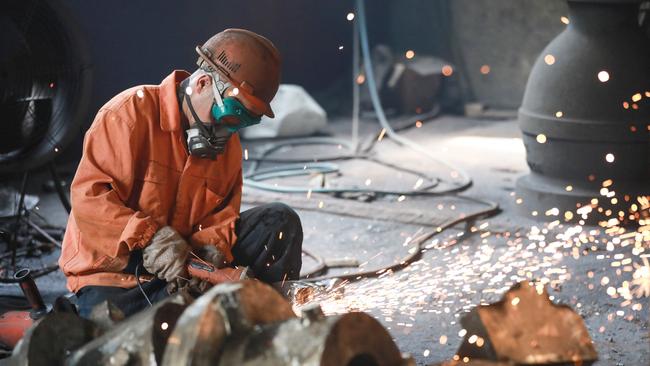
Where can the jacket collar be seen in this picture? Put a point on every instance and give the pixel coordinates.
(170, 114)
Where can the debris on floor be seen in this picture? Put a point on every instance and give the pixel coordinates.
(525, 327)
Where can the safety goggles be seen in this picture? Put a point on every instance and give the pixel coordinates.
(230, 108)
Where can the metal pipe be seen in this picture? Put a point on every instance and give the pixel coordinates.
(316, 340)
(28, 286)
(45, 234)
(355, 88)
(57, 186)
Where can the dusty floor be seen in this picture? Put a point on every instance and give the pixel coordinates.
(462, 266)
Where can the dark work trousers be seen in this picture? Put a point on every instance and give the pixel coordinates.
(269, 242)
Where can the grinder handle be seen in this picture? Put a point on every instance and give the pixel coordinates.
(208, 272)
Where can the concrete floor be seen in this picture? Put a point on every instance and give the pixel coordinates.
(421, 305)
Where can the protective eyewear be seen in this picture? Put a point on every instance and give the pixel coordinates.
(225, 107)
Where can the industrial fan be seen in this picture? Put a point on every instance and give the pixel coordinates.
(45, 80)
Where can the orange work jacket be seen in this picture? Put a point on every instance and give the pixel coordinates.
(135, 175)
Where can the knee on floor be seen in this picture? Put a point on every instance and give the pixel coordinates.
(288, 215)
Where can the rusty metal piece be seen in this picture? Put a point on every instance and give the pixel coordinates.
(474, 362)
(140, 340)
(106, 315)
(28, 286)
(414, 84)
(299, 293)
(525, 327)
(314, 339)
(227, 310)
(51, 340)
(303, 295)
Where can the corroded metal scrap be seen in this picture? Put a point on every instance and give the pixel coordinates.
(474, 362)
(106, 315)
(140, 340)
(227, 310)
(316, 340)
(241, 323)
(300, 293)
(525, 327)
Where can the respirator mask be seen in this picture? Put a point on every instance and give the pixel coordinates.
(208, 139)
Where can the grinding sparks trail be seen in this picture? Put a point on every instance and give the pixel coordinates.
(425, 285)
(453, 276)
(641, 279)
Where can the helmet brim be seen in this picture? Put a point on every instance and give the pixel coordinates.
(255, 104)
(249, 100)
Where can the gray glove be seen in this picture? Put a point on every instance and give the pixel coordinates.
(166, 255)
(212, 255)
(195, 286)
(176, 285)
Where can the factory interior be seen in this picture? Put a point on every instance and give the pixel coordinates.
(414, 182)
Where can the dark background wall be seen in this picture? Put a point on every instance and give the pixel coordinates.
(140, 42)
(507, 35)
(135, 42)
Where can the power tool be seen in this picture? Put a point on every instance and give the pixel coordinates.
(208, 272)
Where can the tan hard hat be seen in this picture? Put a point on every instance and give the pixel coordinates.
(249, 61)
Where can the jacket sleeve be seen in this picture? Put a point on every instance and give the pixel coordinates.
(218, 229)
(102, 186)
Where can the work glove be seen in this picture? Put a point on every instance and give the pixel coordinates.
(194, 287)
(176, 285)
(212, 255)
(166, 255)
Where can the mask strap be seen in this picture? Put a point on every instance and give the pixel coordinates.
(197, 120)
(215, 89)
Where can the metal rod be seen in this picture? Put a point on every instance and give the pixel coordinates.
(44, 233)
(59, 190)
(355, 87)
(19, 214)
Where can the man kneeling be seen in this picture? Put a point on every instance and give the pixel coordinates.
(159, 184)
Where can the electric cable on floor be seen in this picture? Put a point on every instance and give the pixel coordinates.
(249, 177)
(400, 264)
(466, 181)
(255, 176)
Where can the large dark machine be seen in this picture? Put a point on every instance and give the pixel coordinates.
(45, 79)
(585, 117)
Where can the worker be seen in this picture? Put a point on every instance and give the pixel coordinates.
(160, 182)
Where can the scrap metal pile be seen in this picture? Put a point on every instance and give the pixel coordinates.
(241, 323)
(250, 323)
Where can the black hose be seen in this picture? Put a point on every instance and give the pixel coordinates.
(404, 262)
(253, 177)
